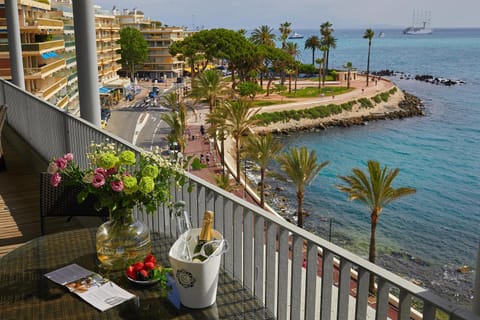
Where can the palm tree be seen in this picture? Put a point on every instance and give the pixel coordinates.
(324, 49)
(172, 100)
(262, 150)
(176, 121)
(209, 85)
(327, 40)
(349, 67)
(294, 52)
(302, 168)
(331, 43)
(369, 34)
(216, 129)
(313, 43)
(239, 118)
(285, 30)
(320, 62)
(375, 190)
(263, 36)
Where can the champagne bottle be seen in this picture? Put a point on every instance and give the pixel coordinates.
(183, 225)
(203, 239)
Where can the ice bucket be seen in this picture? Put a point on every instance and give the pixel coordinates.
(196, 281)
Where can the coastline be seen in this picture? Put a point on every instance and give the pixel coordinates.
(399, 105)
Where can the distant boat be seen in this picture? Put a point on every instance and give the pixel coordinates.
(295, 36)
(420, 25)
(381, 34)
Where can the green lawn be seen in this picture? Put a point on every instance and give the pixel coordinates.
(266, 103)
(312, 92)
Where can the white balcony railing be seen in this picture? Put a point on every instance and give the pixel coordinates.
(267, 254)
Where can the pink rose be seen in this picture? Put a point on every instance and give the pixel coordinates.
(98, 180)
(68, 157)
(61, 163)
(111, 171)
(117, 186)
(55, 179)
(101, 171)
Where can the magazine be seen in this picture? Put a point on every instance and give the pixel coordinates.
(100, 292)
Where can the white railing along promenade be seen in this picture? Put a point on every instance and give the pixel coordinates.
(267, 254)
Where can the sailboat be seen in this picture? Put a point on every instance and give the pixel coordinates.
(420, 25)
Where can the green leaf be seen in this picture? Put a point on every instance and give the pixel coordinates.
(82, 195)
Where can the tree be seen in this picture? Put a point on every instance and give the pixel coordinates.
(294, 52)
(239, 118)
(329, 41)
(263, 36)
(172, 100)
(275, 60)
(262, 149)
(249, 89)
(349, 67)
(217, 130)
(133, 49)
(375, 190)
(313, 43)
(209, 85)
(176, 120)
(302, 168)
(285, 30)
(369, 34)
(320, 62)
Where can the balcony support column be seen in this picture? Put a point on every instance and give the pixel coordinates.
(476, 289)
(86, 52)
(14, 43)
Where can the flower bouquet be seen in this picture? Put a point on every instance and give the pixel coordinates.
(119, 180)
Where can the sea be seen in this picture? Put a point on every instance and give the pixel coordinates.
(426, 237)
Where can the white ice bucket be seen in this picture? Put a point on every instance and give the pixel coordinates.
(196, 281)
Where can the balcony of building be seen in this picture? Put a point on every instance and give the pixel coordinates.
(45, 71)
(41, 25)
(295, 274)
(46, 88)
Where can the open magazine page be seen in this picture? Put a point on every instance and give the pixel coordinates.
(91, 287)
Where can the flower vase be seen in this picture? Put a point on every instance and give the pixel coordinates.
(122, 240)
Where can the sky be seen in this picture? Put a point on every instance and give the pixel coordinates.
(303, 14)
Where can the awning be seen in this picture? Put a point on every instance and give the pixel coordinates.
(48, 55)
(104, 90)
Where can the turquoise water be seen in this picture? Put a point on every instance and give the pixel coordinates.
(438, 154)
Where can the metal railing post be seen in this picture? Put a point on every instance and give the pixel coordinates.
(476, 287)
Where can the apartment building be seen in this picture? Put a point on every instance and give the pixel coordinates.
(43, 51)
(49, 57)
(160, 62)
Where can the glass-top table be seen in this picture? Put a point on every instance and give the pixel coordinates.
(26, 294)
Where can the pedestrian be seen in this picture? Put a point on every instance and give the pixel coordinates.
(201, 158)
(189, 134)
(202, 130)
(207, 158)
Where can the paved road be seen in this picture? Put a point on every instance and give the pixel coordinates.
(140, 123)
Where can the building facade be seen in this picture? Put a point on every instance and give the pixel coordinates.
(43, 51)
(160, 63)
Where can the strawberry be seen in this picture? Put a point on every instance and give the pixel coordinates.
(138, 266)
(143, 275)
(148, 266)
(150, 258)
(131, 273)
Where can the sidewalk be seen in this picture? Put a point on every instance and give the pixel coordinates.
(197, 146)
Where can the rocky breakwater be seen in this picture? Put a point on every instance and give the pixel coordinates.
(405, 107)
